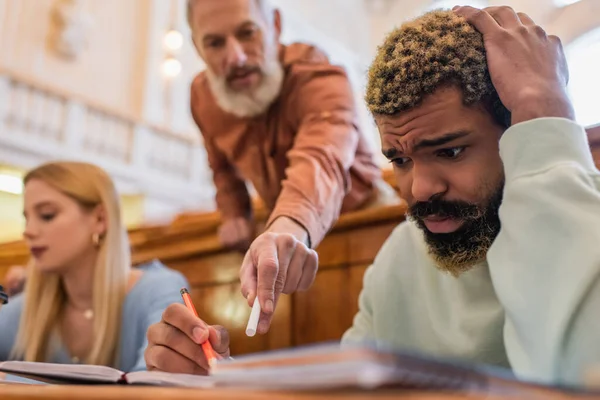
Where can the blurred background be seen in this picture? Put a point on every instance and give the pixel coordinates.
(107, 81)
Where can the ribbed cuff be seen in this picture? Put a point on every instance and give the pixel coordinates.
(536, 145)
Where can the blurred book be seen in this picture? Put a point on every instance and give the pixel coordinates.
(320, 367)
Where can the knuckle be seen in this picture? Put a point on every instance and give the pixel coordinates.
(555, 39)
(504, 35)
(287, 242)
(270, 267)
(523, 30)
(479, 14)
(538, 30)
(170, 312)
(150, 356)
(151, 333)
(168, 335)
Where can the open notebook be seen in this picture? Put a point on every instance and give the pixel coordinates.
(312, 367)
(97, 374)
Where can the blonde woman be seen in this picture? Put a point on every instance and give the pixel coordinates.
(82, 303)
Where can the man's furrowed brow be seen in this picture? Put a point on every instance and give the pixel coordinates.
(439, 141)
(392, 152)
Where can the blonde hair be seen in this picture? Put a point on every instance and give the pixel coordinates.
(45, 297)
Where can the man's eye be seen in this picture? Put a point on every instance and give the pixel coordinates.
(246, 34)
(400, 161)
(451, 153)
(214, 43)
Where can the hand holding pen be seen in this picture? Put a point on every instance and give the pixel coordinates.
(179, 343)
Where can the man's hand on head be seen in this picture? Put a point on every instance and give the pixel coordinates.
(278, 261)
(528, 67)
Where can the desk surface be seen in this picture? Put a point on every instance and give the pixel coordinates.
(57, 392)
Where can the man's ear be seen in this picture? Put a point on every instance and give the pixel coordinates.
(277, 23)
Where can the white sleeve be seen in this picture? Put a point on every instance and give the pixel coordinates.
(545, 262)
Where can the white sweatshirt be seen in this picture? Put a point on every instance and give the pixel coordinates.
(534, 305)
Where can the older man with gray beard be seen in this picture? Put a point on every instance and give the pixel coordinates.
(283, 118)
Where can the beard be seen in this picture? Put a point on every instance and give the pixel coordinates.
(458, 251)
(248, 103)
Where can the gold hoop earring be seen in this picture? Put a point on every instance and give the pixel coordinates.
(96, 239)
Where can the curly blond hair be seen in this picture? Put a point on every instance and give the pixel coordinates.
(421, 55)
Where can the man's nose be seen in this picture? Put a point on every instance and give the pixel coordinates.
(235, 56)
(426, 184)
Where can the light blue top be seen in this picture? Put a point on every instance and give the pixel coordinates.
(157, 288)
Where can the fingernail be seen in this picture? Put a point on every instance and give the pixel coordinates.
(269, 306)
(198, 334)
(263, 327)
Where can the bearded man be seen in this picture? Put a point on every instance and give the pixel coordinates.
(283, 118)
(499, 261)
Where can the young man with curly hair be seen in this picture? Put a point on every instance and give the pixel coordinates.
(499, 262)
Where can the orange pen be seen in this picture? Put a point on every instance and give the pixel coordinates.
(210, 354)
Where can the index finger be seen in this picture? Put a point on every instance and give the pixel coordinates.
(248, 278)
(267, 266)
(178, 316)
(480, 19)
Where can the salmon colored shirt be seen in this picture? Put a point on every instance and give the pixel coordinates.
(305, 156)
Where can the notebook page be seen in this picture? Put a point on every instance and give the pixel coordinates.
(320, 367)
(78, 372)
(311, 377)
(313, 354)
(168, 379)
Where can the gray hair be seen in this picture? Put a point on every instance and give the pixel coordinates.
(265, 7)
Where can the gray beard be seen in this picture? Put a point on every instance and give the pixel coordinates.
(249, 104)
